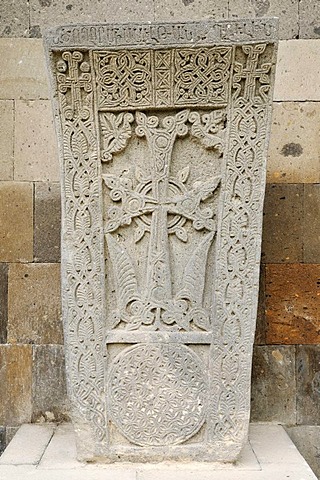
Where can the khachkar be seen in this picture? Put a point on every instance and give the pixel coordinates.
(163, 133)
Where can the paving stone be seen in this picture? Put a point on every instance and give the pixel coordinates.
(22, 69)
(48, 13)
(292, 304)
(16, 222)
(14, 18)
(15, 381)
(294, 150)
(298, 71)
(307, 440)
(309, 19)
(311, 224)
(3, 302)
(49, 394)
(308, 384)
(282, 224)
(36, 156)
(260, 335)
(190, 9)
(286, 11)
(47, 222)
(273, 390)
(6, 139)
(34, 304)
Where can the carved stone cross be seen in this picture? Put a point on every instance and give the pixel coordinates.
(163, 132)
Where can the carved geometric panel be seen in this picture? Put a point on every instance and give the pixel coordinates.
(163, 133)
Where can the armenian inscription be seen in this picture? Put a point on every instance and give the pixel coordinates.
(163, 132)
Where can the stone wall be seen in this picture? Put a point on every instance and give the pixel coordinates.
(286, 370)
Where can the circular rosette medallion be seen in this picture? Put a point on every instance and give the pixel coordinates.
(157, 393)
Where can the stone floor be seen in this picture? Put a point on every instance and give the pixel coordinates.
(47, 452)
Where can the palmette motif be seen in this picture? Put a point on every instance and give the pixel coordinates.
(157, 392)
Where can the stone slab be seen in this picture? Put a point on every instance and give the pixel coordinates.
(3, 302)
(16, 222)
(298, 71)
(47, 222)
(22, 69)
(49, 395)
(34, 311)
(294, 150)
(292, 304)
(307, 440)
(36, 156)
(14, 18)
(260, 333)
(269, 454)
(287, 11)
(185, 10)
(6, 139)
(273, 389)
(309, 19)
(311, 224)
(282, 224)
(15, 381)
(308, 384)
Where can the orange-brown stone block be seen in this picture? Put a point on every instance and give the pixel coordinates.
(15, 381)
(34, 304)
(293, 304)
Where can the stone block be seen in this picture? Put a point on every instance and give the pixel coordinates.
(307, 440)
(273, 389)
(286, 11)
(282, 224)
(294, 150)
(308, 384)
(292, 304)
(47, 13)
(6, 139)
(3, 302)
(309, 19)
(190, 9)
(16, 222)
(47, 220)
(14, 18)
(22, 69)
(298, 71)
(34, 304)
(36, 156)
(260, 335)
(49, 394)
(15, 381)
(311, 224)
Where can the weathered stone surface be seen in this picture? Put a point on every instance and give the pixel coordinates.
(292, 304)
(49, 394)
(311, 224)
(16, 222)
(6, 140)
(260, 335)
(10, 433)
(3, 302)
(273, 389)
(287, 11)
(309, 19)
(175, 225)
(34, 304)
(298, 71)
(22, 69)
(14, 18)
(46, 13)
(15, 381)
(307, 440)
(308, 384)
(190, 9)
(282, 224)
(47, 221)
(2, 439)
(294, 151)
(36, 156)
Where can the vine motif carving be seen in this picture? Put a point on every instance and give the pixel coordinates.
(83, 299)
(160, 402)
(148, 202)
